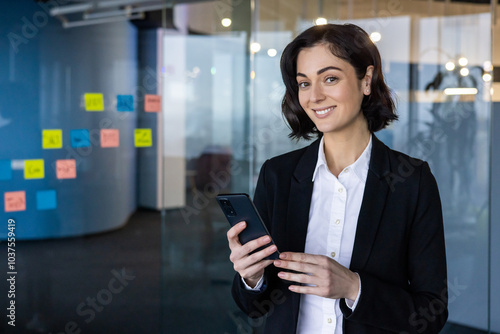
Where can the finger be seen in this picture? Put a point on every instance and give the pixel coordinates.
(299, 278)
(310, 290)
(255, 269)
(232, 234)
(240, 253)
(301, 257)
(256, 257)
(252, 245)
(298, 266)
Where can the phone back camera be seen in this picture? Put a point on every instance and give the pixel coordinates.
(228, 208)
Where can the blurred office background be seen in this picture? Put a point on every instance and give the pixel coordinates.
(120, 120)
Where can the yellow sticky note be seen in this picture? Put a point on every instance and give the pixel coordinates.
(34, 169)
(94, 102)
(51, 139)
(143, 138)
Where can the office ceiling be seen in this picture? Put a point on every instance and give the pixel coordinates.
(77, 13)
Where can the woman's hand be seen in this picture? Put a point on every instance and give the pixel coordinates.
(328, 278)
(250, 267)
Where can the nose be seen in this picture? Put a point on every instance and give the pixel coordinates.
(317, 94)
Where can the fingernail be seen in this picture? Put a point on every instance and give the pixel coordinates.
(272, 249)
(277, 263)
(282, 256)
(267, 238)
(281, 275)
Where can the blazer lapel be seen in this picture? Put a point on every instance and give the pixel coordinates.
(372, 206)
(299, 200)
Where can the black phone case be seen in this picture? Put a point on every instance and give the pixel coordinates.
(239, 207)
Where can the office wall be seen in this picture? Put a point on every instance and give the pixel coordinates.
(45, 71)
(495, 220)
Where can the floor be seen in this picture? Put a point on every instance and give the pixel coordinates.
(114, 283)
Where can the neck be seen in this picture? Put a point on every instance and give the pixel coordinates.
(343, 149)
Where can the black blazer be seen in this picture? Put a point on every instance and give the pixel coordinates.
(399, 250)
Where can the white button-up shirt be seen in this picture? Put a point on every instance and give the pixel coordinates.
(333, 217)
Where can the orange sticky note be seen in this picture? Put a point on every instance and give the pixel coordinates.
(15, 201)
(110, 138)
(66, 169)
(152, 103)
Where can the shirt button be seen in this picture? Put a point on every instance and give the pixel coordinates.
(346, 170)
(341, 190)
(332, 254)
(329, 320)
(337, 221)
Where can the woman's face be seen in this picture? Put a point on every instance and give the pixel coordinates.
(329, 90)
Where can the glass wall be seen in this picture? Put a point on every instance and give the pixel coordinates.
(436, 56)
(116, 136)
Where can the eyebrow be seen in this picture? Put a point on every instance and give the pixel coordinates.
(321, 71)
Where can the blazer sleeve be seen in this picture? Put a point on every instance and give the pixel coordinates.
(249, 301)
(421, 306)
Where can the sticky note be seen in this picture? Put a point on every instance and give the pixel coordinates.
(110, 138)
(143, 137)
(79, 138)
(15, 201)
(46, 200)
(66, 169)
(5, 170)
(124, 103)
(52, 139)
(152, 103)
(34, 169)
(94, 102)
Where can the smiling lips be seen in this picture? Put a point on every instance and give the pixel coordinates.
(324, 111)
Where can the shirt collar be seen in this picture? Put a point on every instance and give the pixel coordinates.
(359, 167)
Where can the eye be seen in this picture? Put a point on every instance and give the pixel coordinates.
(331, 79)
(303, 85)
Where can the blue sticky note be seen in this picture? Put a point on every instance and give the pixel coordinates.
(5, 170)
(80, 138)
(46, 200)
(124, 103)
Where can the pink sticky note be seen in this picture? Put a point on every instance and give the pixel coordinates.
(15, 201)
(110, 138)
(66, 169)
(152, 103)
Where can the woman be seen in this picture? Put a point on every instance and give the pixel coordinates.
(359, 226)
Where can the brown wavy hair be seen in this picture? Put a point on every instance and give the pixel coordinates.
(352, 44)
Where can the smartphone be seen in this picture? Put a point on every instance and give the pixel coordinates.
(239, 207)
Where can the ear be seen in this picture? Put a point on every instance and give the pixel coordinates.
(366, 82)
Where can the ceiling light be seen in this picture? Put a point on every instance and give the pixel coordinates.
(255, 47)
(272, 52)
(488, 66)
(463, 61)
(321, 21)
(487, 77)
(460, 91)
(375, 36)
(450, 66)
(464, 72)
(226, 22)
